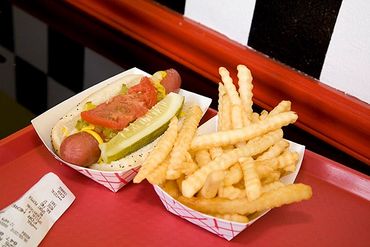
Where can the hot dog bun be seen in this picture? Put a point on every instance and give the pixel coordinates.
(65, 128)
(66, 125)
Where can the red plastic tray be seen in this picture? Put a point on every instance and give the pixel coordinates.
(337, 215)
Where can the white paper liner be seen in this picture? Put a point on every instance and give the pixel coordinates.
(222, 228)
(117, 174)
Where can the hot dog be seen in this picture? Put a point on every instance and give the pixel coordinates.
(78, 137)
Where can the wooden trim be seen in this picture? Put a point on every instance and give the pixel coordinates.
(328, 114)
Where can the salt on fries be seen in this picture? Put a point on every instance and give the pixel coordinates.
(234, 172)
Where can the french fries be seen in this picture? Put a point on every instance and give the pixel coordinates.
(245, 91)
(213, 182)
(182, 143)
(252, 181)
(230, 137)
(233, 173)
(275, 198)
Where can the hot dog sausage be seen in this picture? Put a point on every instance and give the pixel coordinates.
(81, 149)
(172, 81)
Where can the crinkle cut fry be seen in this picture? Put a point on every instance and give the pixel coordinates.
(210, 187)
(183, 141)
(233, 175)
(284, 195)
(266, 167)
(158, 175)
(255, 117)
(271, 178)
(275, 150)
(283, 106)
(221, 93)
(194, 182)
(237, 113)
(272, 186)
(252, 181)
(231, 192)
(229, 86)
(188, 167)
(160, 152)
(263, 115)
(286, 161)
(230, 137)
(245, 89)
(215, 152)
(224, 114)
(202, 157)
(238, 117)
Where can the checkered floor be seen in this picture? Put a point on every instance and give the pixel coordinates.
(40, 67)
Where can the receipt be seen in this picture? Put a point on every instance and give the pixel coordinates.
(27, 221)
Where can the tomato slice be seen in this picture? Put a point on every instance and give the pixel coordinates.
(146, 90)
(121, 110)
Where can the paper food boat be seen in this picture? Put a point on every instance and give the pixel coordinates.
(222, 228)
(117, 174)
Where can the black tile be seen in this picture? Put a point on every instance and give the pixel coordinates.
(2, 59)
(65, 60)
(17, 117)
(177, 5)
(296, 33)
(6, 25)
(31, 86)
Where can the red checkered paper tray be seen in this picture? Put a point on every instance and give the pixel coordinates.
(222, 228)
(117, 174)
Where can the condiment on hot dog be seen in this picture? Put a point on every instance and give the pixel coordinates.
(110, 120)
